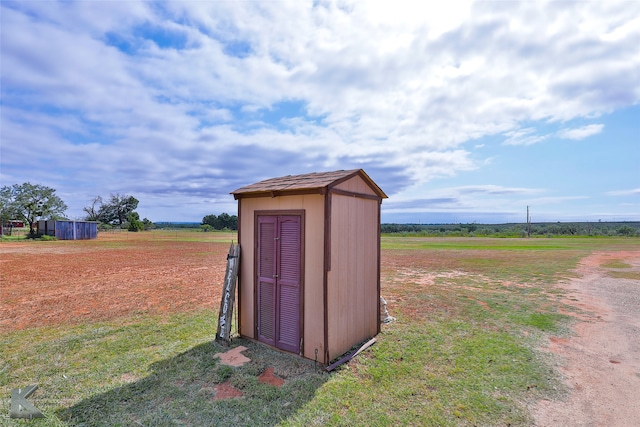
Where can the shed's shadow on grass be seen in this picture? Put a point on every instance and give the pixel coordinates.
(181, 390)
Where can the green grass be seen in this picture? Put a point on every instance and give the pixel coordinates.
(442, 373)
(147, 371)
(615, 263)
(71, 363)
(500, 244)
(6, 238)
(179, 391)
(619, 268)
(471, 315)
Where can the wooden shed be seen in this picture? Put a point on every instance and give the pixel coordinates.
(309, 278)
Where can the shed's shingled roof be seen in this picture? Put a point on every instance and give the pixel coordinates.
(306, 182)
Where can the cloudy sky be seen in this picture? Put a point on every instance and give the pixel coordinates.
(461, 111)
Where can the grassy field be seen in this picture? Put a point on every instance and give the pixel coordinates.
(471, 315)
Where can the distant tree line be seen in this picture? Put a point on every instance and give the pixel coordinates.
(543, 229)
(224, 221)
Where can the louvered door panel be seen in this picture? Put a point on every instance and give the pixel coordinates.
(266, 309)
(267, 228)
(289, 284)
(288, 319)
(266, 247)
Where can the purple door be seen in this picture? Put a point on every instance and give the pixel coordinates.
(279, 258)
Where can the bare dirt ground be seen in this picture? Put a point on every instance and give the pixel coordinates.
(76, 282)
(601, 362)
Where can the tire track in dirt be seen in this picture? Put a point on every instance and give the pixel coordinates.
(600, 364)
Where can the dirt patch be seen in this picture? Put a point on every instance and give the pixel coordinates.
(423, 277)
(47, 283)
(600, 364)
(268, 377)
(226, 391)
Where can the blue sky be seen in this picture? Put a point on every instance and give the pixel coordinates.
(464, 111)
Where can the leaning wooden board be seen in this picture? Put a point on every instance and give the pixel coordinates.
(223, 335)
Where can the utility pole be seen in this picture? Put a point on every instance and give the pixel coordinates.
(528, 223)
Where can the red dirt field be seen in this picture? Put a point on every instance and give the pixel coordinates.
(115, 275)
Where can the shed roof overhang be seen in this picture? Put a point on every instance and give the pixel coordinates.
(310, 183)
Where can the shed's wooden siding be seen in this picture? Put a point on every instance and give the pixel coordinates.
(356, 185)
(352, 288)
(313, 205)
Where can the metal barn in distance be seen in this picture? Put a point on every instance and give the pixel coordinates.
(68, 230)
(309, 278)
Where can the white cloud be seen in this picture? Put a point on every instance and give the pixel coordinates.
(495, 190)
(557, 200)
(523, 137)
(581, 132)
(631, 192)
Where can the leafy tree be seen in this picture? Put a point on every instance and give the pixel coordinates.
(625, 230)
(228, 221)
(148, 225)
(210, 220)
(134, 222)
(96, 210)
(31, 202)
(119, 207)
(222, 221)
(7, 207)
(116, 211)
